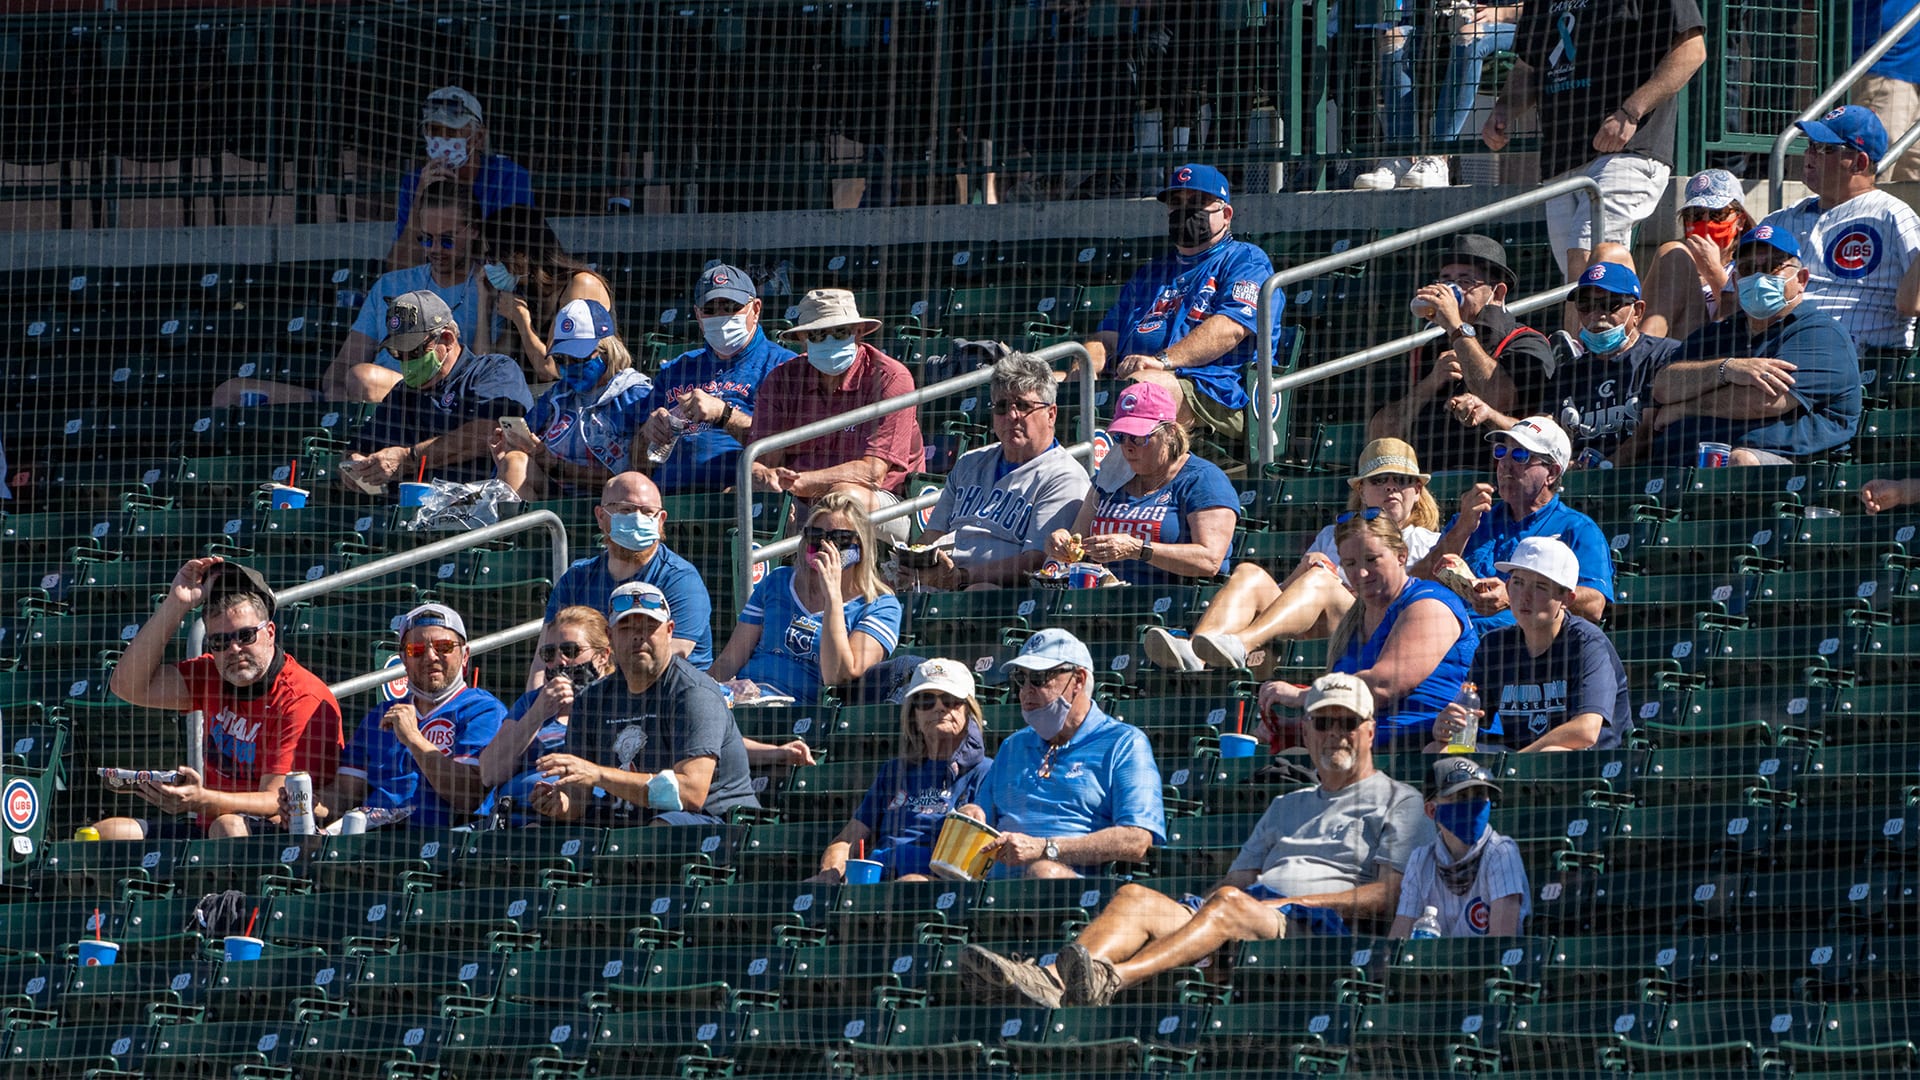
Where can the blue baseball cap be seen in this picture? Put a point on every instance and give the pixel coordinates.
(1773, 236)
(1203, 178)
(1049, 649)
(726, 282)
(1610, 277)
(1849, 125)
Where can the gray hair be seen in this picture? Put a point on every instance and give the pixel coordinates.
(1024, 376)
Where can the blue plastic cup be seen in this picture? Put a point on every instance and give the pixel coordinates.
(98, 953)
(241, 947)
(863, 872)
(253, 398)
(413, 493)
(283, 497)
(1235, 745)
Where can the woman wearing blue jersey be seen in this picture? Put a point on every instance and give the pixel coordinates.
(1409, 639)
(942, 760)
(580, 430)
(576, 651)
(823, 621)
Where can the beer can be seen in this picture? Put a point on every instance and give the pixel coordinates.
(196, 731)
(353, 823)
(1714, 455)
(1423, 307)
(300, 804)
(86, 832)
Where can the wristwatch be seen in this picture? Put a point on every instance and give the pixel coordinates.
(1165, 364)
(1146, 551)
(1463, 330)
(1052, 850)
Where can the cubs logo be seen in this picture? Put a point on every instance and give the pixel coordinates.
(438, 730)
(566, 325)
(1479, 916)
(1836, 114)
(720, 278)
(1182, 175)
(1761, 232)
(393, 322)
(22, 804)
(1855, 253)
(1699, 184)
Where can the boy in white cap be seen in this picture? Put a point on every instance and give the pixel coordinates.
(1552, 680)
(1470, 875)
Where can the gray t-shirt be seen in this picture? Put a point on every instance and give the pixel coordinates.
(1311, 842)
(996, 510)
(680, 716)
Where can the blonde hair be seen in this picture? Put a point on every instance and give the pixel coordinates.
(613, 349)
(1424, 515)
(1180, 438)
(913, 745)
(1382, 528)
(592, 626)
(867, 572)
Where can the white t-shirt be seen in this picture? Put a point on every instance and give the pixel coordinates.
(1856, 254)
(1419, 542)
(1500, 875)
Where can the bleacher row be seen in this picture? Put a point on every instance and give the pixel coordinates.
(1735, 891)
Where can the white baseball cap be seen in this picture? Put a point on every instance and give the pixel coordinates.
(1540, 435)
(1546, 556)
(947, 676)
(638, 598)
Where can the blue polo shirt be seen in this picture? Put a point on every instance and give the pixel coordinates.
(706, 457)
(1498, 534)
(501, 183)
(1104, 776)
(589, 582)
(462, 726)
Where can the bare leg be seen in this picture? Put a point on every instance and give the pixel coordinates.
(1311, 606)
(1171, 383)
(121, 828)
(1228, 915)
(1674, 307)
(1047, 868)
(1134, 917)
(1577, 260)
(1249, 591)
(227, 825)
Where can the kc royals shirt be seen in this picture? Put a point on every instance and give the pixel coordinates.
(787, 658)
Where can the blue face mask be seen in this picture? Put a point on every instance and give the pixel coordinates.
(635, 531)
(1605, 341)
(1467, 820)
(501, 278)
(1762, 295)
(833, 355)
(584, 375)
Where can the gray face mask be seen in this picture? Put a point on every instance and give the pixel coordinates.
(1048, 720)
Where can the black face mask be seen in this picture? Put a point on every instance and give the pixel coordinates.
(1189, 226)
(580, 675)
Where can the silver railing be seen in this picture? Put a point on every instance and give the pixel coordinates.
(745, 554)
(454, 543)
(1268, 412)
(1777, 164)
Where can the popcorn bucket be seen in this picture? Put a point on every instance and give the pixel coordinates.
(960, 854)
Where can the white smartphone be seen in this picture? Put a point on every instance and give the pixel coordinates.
(516, 426)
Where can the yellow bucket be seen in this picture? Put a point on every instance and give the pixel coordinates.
(960, 854)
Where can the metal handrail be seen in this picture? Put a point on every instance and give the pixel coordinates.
(1896, 151)
(1263, 446)
(745, 554)
(1777, 163)
(545, 519)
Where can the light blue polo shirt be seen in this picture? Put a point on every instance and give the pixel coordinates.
(1496, 536)
(1104, 776)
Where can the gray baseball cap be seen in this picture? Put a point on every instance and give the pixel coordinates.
(414, 317)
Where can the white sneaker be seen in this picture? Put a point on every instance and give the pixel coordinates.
(1383, 178)
(1169, 652)
(1426, 172)
(1222, 651)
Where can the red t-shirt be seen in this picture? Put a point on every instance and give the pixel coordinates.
(791, 397)
(293, 727)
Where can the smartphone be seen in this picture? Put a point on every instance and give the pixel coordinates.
(517, 427)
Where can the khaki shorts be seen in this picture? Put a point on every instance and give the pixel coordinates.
(1230, 423)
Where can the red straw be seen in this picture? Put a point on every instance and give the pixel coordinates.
(293, 471)
(96, 925)
(255, 917)
(422, 478)
(859, 849)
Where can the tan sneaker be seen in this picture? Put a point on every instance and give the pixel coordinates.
(1002, 981)
(1088, 980)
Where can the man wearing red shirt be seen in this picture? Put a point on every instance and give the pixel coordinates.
(839, 372)
(264, 715)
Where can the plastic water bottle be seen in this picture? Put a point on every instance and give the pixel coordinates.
(1428, 925)
(1467, 740)
(660, 452)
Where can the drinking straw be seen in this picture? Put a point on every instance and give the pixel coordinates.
(251, 919)
(293, 471)
(96, 925)
(422, 477)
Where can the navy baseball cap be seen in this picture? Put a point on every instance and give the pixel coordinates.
(726, 282)
(1197, 178)
(1849, 125)
(1773, 236)
(1610, 277)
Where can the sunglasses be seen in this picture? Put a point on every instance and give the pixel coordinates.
(1520, 454)
(246, 635)
(567, 361)
(1463, 284)
(417, 649)
(1829, 149)
(714, 309)
(1598, 307)
(447, 240)
(1135, 440)
(626, 602)
(569, 649)
(1391, 480)
(840, 538)
(1017, 409)
(1701, 213)
(1022, 678)
(1325, 722)
(936, 703)
(1368, 514)
(838, 333)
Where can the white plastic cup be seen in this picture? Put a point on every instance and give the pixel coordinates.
(863, 872)
(241, 947)
(1235, 745)
(98, 953)
(413, 493)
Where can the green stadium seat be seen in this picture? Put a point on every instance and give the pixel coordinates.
(1719, 774)
(1110, 1039)
(943, 618)
(1610, 967)
(604, 917)
(1849, 834)
(1271, 1036)
(275, 988)
(193, 1051)
(1859, 1038)
(1677, 601)
(896, 912)
(720, 977)
(573, 977)
(955, 1040)
(1750, 492)
(1496, 969)
(841, 976)
(829, 791)
(1853, 898)
(1692, 835)
(1203, 846)
(1443, 1036)
(250, 864)
(136, 993)
(780, 908)
(1717, 546)
(473, 918)
(1859, 773)
(1315, 969)
(1824, 597)
(1886, 436)
(1749, 656)
(385, 859)
(663, 854)
(58, 1053)
(1576, 1036)
(76, 868)
(369, 1045)
(1863, 715)
(423, 983)
(355, 920)
(1850, 542)
(528, 857)
(1717, 1036)
(659, 1042)
(1803, 964)
(1037, 910)
(515, 1042)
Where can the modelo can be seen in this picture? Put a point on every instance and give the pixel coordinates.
(300, 804)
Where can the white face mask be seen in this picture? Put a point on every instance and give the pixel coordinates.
(726, 334)
(452, 151)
